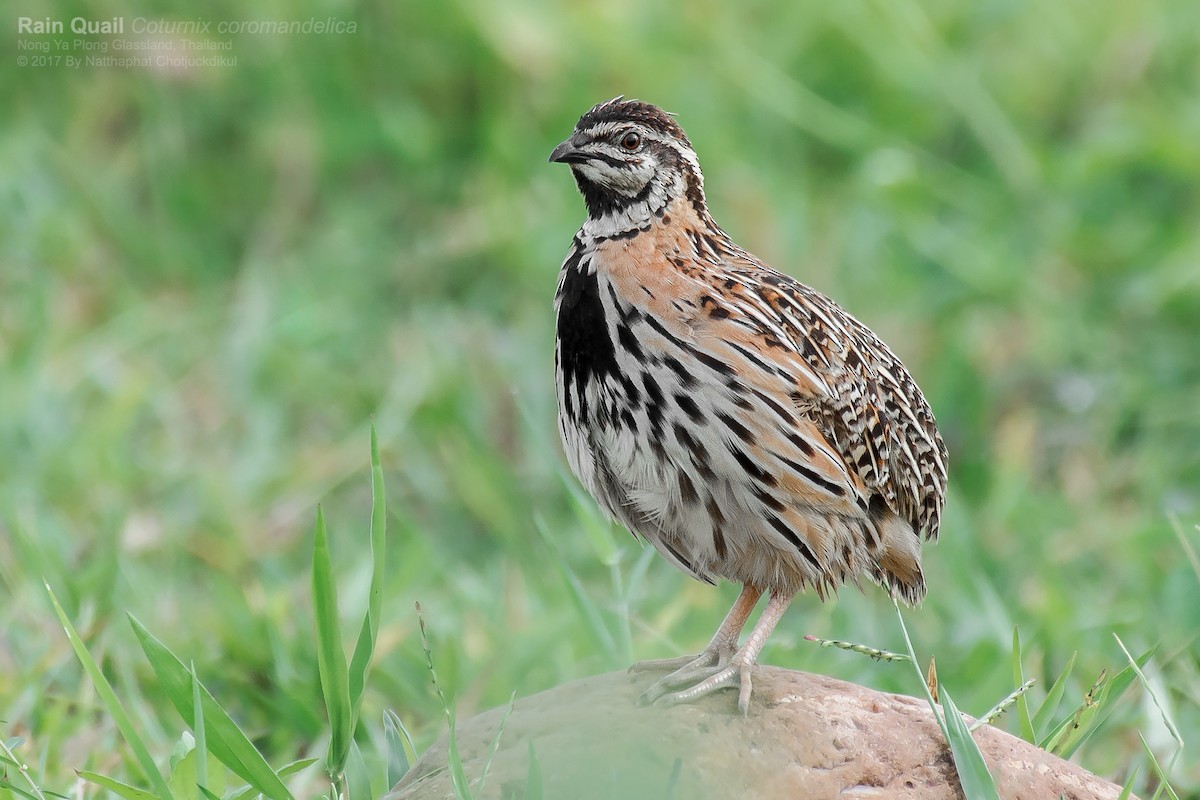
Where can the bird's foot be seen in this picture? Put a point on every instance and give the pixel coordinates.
(706, 674)
(685, 670)
(708, 658)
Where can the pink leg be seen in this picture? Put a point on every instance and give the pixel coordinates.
(722, 646)
(735, 673)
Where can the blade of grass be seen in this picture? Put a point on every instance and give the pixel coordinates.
(1127, 789)
(293, 767)
(1045, 712)
(1081, 717)
(1188, 550)
(287, 770)
(115, 709)
(358, 779)
(587, 608)
(633, 581)
(1024, 721)
(533, 777)
(458, 776)
(399, 745)
(1113, 691)
(973, 774)
(912, 658)
(1166, 717)
(117, 787)
(198, 729)
(364, 649)
(594, 526)
(6, 748)
(18, 790)
(624, 633)
(1164, 784)
(331, 658)
(487, 765)
(969, 775)
(581, 599)
(183, 771)
(1096, 707)
(223, 738)
(673, 779)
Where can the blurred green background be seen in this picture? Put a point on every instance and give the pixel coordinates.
(212, 280)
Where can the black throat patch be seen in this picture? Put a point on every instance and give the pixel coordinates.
(601, 201)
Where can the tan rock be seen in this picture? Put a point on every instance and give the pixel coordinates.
(807, 736)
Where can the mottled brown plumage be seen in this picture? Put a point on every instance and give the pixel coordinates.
(740, 421)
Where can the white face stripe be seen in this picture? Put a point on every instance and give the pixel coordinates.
(599, 138)
(627, 174)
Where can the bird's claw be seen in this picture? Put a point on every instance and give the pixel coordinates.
(708, 679)
(673, 664)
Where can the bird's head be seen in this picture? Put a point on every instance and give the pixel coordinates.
(631, 159)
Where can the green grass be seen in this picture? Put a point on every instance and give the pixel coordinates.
(212, 284)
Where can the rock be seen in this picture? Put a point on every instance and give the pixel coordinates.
(806, 736)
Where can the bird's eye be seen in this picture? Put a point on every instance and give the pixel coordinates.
(631, 141)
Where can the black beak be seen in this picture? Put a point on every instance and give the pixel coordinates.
(570, 152)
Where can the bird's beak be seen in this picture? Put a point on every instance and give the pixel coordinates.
(570, 151)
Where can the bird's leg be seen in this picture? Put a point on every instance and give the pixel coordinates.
(714, 657)
(737, 671)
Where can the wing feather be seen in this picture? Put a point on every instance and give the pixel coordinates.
(857, 403)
